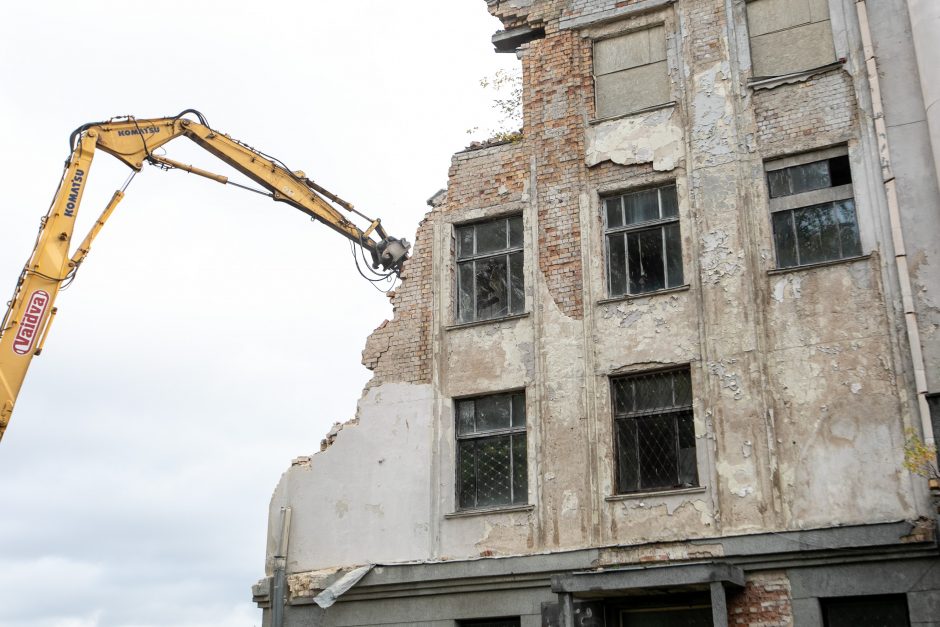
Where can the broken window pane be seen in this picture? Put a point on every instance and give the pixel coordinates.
(839, 171)
(644, 259)
(490, 282)
(655, 435)
(517, 283)
(491, 287)
(817, 232)
(492, 467)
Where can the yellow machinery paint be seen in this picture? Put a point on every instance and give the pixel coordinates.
(29, 315)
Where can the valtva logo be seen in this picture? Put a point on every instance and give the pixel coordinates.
(29, 327)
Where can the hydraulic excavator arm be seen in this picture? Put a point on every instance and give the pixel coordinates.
(27, 320)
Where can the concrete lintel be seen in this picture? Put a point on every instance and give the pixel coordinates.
(510, 40)
(610, 15)
(645, 577)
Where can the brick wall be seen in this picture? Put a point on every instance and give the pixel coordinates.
(764, 602)
(399, 350)
(557, 99)
(806, 115)
(486, 177)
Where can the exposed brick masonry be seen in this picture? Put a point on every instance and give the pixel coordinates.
(764, 602)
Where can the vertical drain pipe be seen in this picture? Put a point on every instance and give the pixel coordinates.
(897, 236)
(279, 584)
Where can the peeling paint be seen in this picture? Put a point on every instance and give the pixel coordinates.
(654, 137)
(717, 259)
(729, 380)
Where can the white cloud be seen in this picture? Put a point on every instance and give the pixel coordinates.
(212, 335)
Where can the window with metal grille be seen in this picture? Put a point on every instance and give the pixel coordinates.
(866, 611)
(655, 437)
(491, 451)
(813, 209)
(489, 270)
(644, 247)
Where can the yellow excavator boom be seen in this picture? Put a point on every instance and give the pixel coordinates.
(133, 141)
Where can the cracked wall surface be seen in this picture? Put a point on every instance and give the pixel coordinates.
(800, 377)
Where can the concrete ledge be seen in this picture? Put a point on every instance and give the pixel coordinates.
(612, 14)
(645, 577)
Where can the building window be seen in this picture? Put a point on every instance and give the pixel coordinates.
(489, 270)
(789, 36)
(812, 207)
(490, 622)
(655, 437)
(630, 72)
(867, 611)
(644, 247)
(933, 402)
(491, 451)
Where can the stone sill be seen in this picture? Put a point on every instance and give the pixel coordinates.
(821, 264)
(653, 494)
(478, 323)
(466, 513)
(665, 105)
(630, 297)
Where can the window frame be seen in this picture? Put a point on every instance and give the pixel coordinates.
(510, 433)
(828, 605)
(809, 200)
(595, 75)
(662, 223)
(475, 257)
(618, 418)
(751, 36)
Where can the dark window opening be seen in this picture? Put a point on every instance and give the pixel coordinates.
(866, 611)
(655, 435)
(825, 228)
(644, 246)
(933, 401)
(489, 270)
(492, 467)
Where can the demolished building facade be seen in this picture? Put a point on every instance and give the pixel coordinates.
(658, 359)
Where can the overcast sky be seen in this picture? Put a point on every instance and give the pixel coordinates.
(212, 335)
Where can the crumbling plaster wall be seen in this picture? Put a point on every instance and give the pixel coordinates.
(798, 376)
(912, 160)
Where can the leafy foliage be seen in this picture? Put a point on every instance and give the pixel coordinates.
(919, 457)
(507, 90)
